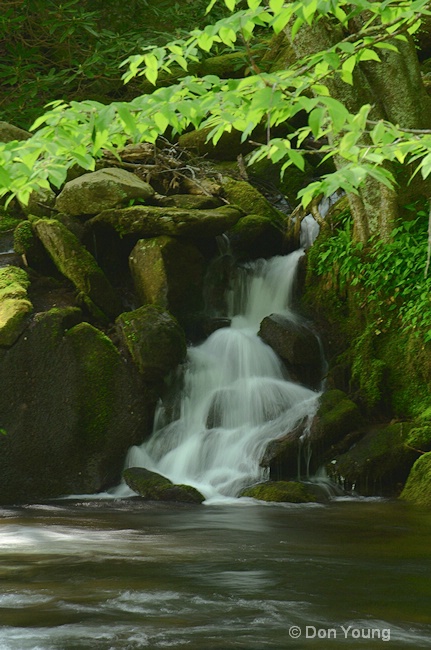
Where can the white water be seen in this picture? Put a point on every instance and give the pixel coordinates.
(235, 396)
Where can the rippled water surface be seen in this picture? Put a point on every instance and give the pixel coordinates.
(129, 575)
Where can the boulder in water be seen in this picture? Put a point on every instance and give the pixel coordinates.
(281, 492)
(255, 236)
(418, 486)
(378, 464)
(71, 406)
(336, 417)
(296, 345)
(154, 487)
(101, 190)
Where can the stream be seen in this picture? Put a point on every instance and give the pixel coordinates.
(125, 575)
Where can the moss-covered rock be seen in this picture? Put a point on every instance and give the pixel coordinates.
(250, 200)
(418, 486)
(15, 307)
(152, 221)
(101, 190)
(378, 464)
(255, 236)
(169, 274)
(71, 407)
(280, 492)
(297, 345)
(154, 339)
(336, 417)
(40, 203)
(189, 201)
(77, 264)
(154, 487)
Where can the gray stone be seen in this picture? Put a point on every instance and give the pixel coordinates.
(9, 132)
(101, 190)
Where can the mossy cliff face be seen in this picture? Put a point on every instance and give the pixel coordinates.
(70, 405)
(385, 369)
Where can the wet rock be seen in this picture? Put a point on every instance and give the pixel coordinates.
(281, 492)
(152, 221)
(417, 489)
(154, 339)
(15, 307)
(77, 264)
(336, 417)
(284, 458)
(154, 487)
(378, 464)
(71, 406)
(101, 190)
(8, 133)
(169, 274)
(296, 345)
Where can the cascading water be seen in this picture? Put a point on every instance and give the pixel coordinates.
(235, 395)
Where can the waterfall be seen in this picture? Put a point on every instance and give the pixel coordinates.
(235, 394)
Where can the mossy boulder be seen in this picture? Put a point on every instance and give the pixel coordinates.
(336, 417)
(71, 407)
(250, 200)
(417, 489)
(15, 307)
(77, 264)
(189, 201)
(378, 464)
(297, 345)
(169, 274)
(152, 221)
(101, 190)
(280, 492)
(40, 203)
(255, 236)
(154, 339)
(9, 132)
(154, 487)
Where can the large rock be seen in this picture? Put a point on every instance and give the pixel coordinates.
(101, 190)
(296, 345)
(9, 132)
(77, 264)
(418, 486)
(280, 491)
(229, 146)
(255, 236)
(250, 200)
(168, 273)
(154, 487)
(71, 407)
(15, 306)
(154, 339)
(152, 221)
(336, 417)
(286, 457)
(378, 464)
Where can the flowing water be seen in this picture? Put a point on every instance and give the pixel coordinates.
(235, 395)
(126, 575)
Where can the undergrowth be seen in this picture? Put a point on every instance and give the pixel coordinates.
(391, 275)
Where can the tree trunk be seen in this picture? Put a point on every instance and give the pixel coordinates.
(395, 90)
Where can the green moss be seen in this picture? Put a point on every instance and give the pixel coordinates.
(7, 222)
(419, 438)
(98, 360)
(15, 306)
(250, 200)
(279, 492)
(152, 486)
(418, 485)
(23, 238)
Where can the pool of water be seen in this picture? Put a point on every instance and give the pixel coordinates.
(127, 574)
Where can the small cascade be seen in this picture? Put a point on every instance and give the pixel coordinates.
(234, 396)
